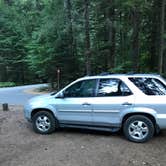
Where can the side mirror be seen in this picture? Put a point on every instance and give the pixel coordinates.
(60, 95)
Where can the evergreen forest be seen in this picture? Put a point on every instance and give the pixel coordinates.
(40, 39)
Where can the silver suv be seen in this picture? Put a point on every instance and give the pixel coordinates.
(134, 103)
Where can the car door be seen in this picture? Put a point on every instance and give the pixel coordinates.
(154, 91)
(75, 107)
(113, 96)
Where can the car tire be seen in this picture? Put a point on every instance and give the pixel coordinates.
(44, 122)
(138, 128)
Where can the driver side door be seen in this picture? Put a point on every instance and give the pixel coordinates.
(75, 108)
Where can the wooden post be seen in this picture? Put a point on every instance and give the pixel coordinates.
(58, 78)
(5, 107)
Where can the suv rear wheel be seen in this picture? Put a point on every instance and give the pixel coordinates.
(44, 122)
(138, 128)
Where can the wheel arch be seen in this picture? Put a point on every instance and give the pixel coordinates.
(150, 116)
(36, 110)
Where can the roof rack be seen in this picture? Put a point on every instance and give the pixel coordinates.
(130, 73)
(105, 73)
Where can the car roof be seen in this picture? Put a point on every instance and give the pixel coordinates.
(119, 76)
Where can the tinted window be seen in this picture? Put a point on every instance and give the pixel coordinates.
(84, 88)
(149, 86)
(113, 87)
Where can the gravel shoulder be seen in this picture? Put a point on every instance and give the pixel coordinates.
(20, 146)
(34, 91)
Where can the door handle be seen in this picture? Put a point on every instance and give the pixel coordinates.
(126, 104)
(86, 104)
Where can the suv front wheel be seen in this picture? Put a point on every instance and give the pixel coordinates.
(138, 128)
(44, 122)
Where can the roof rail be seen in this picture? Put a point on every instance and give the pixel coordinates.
(105, 73)
(131, 72)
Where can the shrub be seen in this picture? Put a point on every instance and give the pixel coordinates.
(7, 84)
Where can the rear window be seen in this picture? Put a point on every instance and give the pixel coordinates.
(149, 86)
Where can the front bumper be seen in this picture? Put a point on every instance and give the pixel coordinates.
(27, 112)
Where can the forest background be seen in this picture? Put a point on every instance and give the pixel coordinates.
(40, 39)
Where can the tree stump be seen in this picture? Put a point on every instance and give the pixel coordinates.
(5, 107)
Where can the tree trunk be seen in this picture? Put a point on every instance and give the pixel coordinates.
(122, 41)
(135, 38)
(161, 39)
(87, 38)
(38, 6)
(8, 2)
(153, 61)
(22, 73)
(68, 8)
(111, 34)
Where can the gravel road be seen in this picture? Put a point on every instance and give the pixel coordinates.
(20, 146)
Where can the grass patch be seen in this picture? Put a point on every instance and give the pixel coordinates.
(7, 84)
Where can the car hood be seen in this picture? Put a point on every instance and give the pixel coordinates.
(40, 98)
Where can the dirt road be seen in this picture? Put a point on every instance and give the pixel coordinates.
(20, 146)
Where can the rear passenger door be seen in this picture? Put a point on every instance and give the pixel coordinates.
(112, 97)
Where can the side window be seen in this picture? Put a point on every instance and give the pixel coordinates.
(125, 91)
(113, 87)
(84, 88)
(149, 86)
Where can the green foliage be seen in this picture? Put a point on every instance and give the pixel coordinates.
(125, 67)
(38, 37)
(7, 84)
